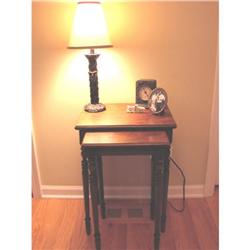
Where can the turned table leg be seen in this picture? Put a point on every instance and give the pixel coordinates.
(85, 180)
(100, 186)
(94, 198)
(157, 199)
(96, 177)
(152, 202)
(165, 191)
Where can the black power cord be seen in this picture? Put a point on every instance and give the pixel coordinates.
(183, 188)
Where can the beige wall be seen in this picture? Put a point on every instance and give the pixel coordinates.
(173, 42)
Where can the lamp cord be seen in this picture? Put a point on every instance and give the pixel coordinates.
(183, 188)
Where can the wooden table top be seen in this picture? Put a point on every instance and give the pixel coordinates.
(115, 116)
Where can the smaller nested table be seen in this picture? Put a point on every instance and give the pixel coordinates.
(155, 143)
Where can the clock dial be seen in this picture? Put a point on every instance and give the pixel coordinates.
(144, 93)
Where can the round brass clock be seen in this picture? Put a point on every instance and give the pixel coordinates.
(144, 93)
(158, 101)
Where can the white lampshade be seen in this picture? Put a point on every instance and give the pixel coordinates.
(89, 27)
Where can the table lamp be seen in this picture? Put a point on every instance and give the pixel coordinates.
(89, 32)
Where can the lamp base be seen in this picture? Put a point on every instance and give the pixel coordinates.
(94, 108)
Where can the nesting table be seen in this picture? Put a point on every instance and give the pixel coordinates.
(114, 131)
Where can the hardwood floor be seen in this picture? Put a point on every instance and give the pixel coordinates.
(58, 224)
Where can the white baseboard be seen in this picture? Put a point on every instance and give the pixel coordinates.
(75, 192)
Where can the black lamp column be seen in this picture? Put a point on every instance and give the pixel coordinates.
(94, 106)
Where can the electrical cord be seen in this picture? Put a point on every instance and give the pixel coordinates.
(183, 188)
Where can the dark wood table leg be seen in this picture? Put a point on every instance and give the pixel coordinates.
(97, 180)
(94, 198)
(165, 191)
(100, 186)
(158, 197)
(152, 187)
(85, 180)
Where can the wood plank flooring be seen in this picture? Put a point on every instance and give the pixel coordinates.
(58, 224)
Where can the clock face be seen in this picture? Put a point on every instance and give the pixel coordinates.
(144, 93)
(143, 90)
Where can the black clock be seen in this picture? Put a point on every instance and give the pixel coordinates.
(144, 88)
